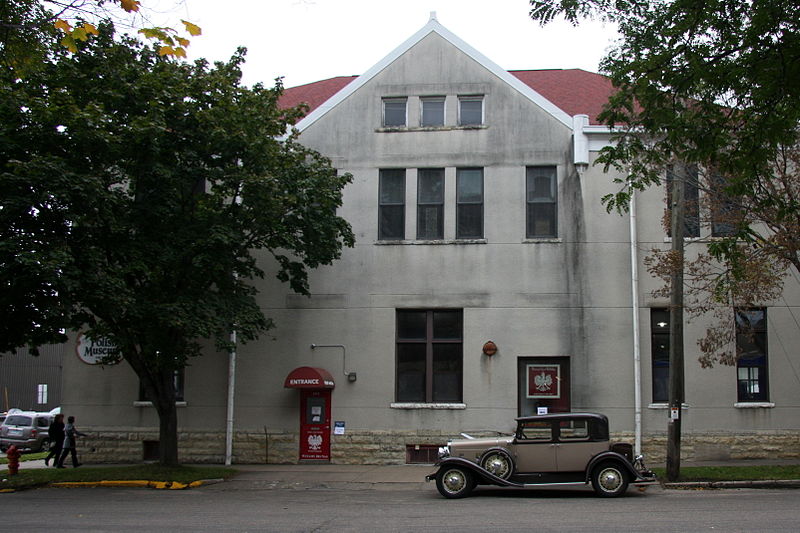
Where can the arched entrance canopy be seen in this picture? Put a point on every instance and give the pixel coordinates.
(309, 377)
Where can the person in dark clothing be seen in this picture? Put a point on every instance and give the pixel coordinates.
(56, 434)
(69, 443)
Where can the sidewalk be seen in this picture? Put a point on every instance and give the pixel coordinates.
(411, 477)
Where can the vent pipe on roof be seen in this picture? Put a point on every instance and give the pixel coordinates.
(580, 142)
(433, 16)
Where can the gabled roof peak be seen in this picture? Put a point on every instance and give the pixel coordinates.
(433, 26)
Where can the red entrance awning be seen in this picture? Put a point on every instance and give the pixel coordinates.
(309, 377)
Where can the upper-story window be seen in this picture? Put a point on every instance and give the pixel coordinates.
(691, 196)
(540, 193)
(470, 110)
(394, 112)
(432, 111)
(392, 204)
(469, 203)
(430, 203)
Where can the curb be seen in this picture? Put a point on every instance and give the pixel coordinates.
(754, 484)
(168, 485)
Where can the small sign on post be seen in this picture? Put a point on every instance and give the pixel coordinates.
(674, 413)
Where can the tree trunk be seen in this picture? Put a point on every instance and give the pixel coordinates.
(167, 419)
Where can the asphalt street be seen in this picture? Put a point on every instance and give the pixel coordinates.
(259, 504)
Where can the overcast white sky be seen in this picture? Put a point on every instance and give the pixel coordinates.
(311, 40)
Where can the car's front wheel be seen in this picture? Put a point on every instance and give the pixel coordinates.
(454, 481)
(499, 463)
(609, 479)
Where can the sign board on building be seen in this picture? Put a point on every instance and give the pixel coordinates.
(99, 351)
(544, 381)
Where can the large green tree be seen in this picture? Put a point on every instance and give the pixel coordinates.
(135, 191)
(711, 82)
(715, 85)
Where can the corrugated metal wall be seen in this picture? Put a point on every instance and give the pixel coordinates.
(31, 383)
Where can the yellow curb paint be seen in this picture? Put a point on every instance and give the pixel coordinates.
(7, 490)
(173, 485)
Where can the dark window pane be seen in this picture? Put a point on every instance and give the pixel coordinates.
(411, 372)
(411, 325)
(432, 111)
(392, 222)
(470, 221)
(470, 111)
(691, 204)
(430, 199)
(470, 185)
(751, 345)
(431, 186)
(659, 349)
(430, 222)
(447, 325)
(541, 220)
(394, 112)
(447, 372)
(540, 187)
(393, 186)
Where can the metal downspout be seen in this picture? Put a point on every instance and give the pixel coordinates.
(637, 363)
(231, 390)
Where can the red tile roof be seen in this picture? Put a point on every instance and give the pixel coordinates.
(574, 91)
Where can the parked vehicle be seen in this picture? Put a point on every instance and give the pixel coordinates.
(546, 450)
(27, 430)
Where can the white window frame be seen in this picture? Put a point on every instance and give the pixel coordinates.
(394, 100)
(472, 98)
(431, 99)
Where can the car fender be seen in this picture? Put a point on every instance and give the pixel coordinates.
(481, 474)
(615, 457)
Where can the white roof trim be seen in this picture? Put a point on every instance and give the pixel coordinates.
(432, 26)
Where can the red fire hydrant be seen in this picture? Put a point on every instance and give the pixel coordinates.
(13, 454)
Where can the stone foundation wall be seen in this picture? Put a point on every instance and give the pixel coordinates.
(389, 447)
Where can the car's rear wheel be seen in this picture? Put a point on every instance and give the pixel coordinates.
(609, 479)
(44, 445)
(454, 482)
(499, 463)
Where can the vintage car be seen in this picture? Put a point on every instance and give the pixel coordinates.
(546, 450)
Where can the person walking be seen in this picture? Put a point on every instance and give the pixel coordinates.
(70, 432)
(56, 434)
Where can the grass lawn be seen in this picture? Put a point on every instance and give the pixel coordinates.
(38, 477)
(733, 473)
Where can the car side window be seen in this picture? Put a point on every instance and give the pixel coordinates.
(536, 430)
(573, 430)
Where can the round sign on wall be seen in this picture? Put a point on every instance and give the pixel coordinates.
(96, 351)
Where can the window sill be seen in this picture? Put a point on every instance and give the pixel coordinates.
(428, 405)
(431, 242)
(150, 404)
(543, 240)
(406, 129)
(754, 405)
(665, 406)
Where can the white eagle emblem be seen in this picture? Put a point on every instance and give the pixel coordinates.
(543, 382)
(314, 442)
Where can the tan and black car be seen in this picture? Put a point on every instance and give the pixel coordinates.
(545, 450)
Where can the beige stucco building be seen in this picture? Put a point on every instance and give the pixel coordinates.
(477, 215)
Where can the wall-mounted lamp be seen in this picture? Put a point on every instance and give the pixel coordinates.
(489, 348)
(351, 376)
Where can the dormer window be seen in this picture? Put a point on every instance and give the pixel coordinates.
(470, 110)
(394, 112)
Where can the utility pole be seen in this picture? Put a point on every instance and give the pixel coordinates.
(676, 383)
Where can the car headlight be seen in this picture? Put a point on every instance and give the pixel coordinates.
(444, 451)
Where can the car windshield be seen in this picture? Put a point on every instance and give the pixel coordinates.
(18, 420)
